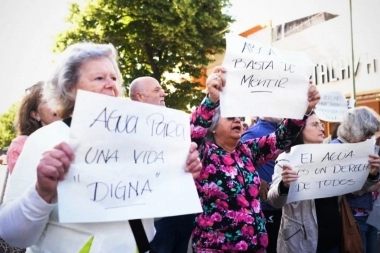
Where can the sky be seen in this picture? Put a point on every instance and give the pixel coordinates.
(28, 27)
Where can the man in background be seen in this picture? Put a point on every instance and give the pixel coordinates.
(263, 127)
(172, 233)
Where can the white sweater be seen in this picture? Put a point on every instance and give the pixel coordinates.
(26, 220)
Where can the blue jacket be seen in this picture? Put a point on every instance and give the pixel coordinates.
(262, 128)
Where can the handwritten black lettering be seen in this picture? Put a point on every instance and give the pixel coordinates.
(302, 186)
(337, 156)
(148, 156)
(253, 82)
(122, 191)
(159, 127)
(288, 67)
(254, 65)
(335, 182)
(306, 158)
(350, 168)
(117, 123)
(302, 172)
(253, 49)
(100, 156)
(320, 170)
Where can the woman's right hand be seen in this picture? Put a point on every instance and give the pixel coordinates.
(288, 175)
(215, 83)
(52, 168)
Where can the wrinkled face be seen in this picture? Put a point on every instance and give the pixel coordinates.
(152, 93)
(229, 128)
(313, 131)
(98, 75)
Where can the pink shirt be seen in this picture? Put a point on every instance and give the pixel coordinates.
(14, 151)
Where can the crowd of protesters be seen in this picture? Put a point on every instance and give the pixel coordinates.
(238, 170)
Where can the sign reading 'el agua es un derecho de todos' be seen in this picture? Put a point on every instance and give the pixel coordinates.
(326, 170)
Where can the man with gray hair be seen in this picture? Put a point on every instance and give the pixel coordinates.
(172, 233)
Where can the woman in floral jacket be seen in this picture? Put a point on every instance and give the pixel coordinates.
(229, 185)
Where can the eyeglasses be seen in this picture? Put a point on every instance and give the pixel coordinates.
(318, 124)
(232, 118)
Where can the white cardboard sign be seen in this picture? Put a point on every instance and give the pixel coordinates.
(129, 162)
(327, 170)
(264, 81)
(332, 106)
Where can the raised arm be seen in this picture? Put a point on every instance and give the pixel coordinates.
(202, 116)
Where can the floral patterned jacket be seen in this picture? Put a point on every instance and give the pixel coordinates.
(229, 186)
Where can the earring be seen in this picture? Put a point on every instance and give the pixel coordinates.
(213, 131)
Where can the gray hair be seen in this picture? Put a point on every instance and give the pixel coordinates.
(358, 124)
(214, 122)
(59, 89)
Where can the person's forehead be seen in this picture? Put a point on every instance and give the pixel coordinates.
(152, 85)
(313, 118)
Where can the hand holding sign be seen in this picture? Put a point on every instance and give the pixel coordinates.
(374, 163)
(193, 164)
(129, 162)
(313, 98)
(288, 175)
(325, 170)
(52, 168)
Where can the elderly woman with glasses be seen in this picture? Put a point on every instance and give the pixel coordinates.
(229, 185)
(33, 114)
(359, 124)
(30, 219)
(309, 225)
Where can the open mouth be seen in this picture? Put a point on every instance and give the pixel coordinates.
(237, 127)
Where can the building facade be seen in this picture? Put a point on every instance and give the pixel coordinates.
(343, 44)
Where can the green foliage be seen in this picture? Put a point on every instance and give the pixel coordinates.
(154, 37)
(7, 131)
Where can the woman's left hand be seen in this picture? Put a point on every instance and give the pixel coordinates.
(374, 162)
(313, 97)
(193, 164)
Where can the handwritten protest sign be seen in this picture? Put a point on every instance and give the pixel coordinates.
(327, 170)
(264, 81)
(129, 162)
(332, 106)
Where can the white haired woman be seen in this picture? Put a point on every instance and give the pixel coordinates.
(312, 225)
(359, 124)
(30, 219)
(229, 185)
